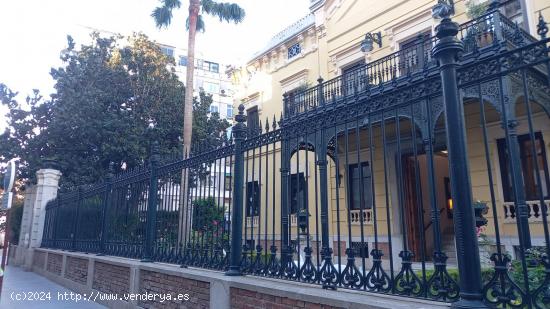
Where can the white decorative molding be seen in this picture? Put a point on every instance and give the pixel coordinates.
(252, 100)
(265, 63)
(333, 62)
(368, 57)
(347, 56)
(283, 50)
(409, 28)
(273, 60)
(295, 80)
(311, 34)
(389, 37)
(321, 31)
(331, 10)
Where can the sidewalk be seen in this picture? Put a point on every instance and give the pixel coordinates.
(19, 283)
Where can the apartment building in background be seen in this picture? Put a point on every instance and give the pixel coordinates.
(210, 76)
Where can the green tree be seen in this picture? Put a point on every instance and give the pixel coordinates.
(106, 96)
(162, 15)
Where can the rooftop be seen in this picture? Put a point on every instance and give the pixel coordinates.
(290, 31)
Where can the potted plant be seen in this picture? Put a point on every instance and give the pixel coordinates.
(478, 32)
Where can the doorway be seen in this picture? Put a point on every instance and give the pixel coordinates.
(418, 207)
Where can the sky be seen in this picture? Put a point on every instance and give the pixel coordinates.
(34, 32)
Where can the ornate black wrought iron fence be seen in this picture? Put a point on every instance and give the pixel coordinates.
(379, 189)
(176, 212)
(512, 90)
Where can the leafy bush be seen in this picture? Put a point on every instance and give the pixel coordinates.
(453, 273)
(207, 216)
(167, 227)
(535, 269)
(536, 274)
(475, 10)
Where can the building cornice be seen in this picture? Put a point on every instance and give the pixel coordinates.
(297, 28)
(314, 5)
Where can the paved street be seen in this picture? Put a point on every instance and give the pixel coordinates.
(18, 283)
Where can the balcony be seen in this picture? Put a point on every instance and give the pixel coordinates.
(486, 34)
(252, 221)
(361, 217)
(534, 210)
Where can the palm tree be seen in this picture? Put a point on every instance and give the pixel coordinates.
(229, 12)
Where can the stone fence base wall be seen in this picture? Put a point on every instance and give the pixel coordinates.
(126, 283)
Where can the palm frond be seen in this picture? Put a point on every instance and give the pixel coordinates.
(163, 14)
(172, 4)
(225, 11)
(200, 24)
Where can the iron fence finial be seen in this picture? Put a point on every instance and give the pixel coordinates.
(240, 117)
(542, 26)
(443, 9)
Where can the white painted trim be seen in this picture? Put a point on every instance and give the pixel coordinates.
(409, 28)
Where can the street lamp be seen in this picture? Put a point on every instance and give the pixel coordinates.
(371, 38)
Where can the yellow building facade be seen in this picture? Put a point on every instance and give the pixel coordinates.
(327, 43)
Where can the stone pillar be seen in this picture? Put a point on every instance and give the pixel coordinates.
(26, 219)
(45, 191)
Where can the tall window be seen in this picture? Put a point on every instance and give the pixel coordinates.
(168, 51)
(253, 118)
(252, 198)
(356, 201)
(412, 54)
(352, 77)
(295, 98)
(297, 192)
(513, 10)
(294, 50)
(209, 87)
(531, 185)
(213, 67)
(209, 66)
(229, 111)
(182, 61)
(214, 108)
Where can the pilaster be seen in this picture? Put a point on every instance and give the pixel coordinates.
(46, 190)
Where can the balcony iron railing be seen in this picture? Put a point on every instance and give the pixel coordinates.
(489, 31)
